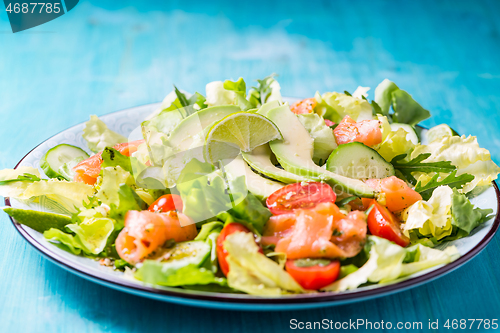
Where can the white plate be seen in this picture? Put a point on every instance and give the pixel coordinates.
(124, 122)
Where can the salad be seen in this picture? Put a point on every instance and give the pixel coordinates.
(238, 191)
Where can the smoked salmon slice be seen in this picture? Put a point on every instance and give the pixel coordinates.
(366, 131)
(145, 232)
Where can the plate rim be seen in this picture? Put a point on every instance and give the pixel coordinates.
(189, 296)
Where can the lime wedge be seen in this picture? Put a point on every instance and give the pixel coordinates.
(39, 221)
(438, 132)
(241, 131)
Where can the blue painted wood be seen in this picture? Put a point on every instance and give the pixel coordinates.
(108, 55)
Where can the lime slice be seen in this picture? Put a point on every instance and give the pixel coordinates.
(241, 131)
(39, 221)
(438, 132)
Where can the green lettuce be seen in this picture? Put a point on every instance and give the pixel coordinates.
(152, 272)
(206, 195)
(254, 273)
(128, 200)
(447, 215)
(112, 179)
(388, 262)
(324, 141)
(99, 136)
(90, 236)
(406, 109)
(240, 89)
(393, 143)
(70, 195)
(209, 233)
(335, 106)
(13, 182)
(464, 153)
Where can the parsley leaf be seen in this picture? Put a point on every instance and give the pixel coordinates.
(452, 180)
(417, 165)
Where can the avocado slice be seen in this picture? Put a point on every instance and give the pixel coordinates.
(260, 159)
(39, 221)
(264, 109)
(261, 187)
(295, 153)
(184, 134)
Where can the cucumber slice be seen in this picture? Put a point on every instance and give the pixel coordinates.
(179, 256)
(356, 160)
(56, 157)
(185, 253)
(412, 134)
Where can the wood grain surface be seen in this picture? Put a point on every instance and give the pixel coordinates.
(104, 56)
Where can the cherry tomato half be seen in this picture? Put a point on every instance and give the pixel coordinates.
(314, 277)
(221, 251)
(167, 203)
(382, 223)
(299, 195)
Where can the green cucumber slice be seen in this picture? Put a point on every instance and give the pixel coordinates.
(185, 253)
(56, 157)
(358, 161)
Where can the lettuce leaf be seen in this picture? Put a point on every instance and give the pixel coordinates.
(209, 233)
(228, 93)
(431, 218)
(99, 136)
(406, 109)
(207, 196)
(13, 182)
(383, 95)
(93, 233)
(207, 229)
(252, 272)
(68, 194)
(464, 216)
(90, 236)
(388, 262)
(465, 154)
(335, 106)
(240, 89)
(448, 215)
(63, 240)
(112, 179)
(324, 141)
(151, 272)
(128, 200)
(393, 143)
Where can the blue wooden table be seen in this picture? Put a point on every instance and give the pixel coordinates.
(104, 56)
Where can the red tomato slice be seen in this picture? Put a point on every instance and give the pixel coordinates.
(166, 203)
(299, 195)
(221, 251)
(314, 277)
(304, 106)
(382, 223)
